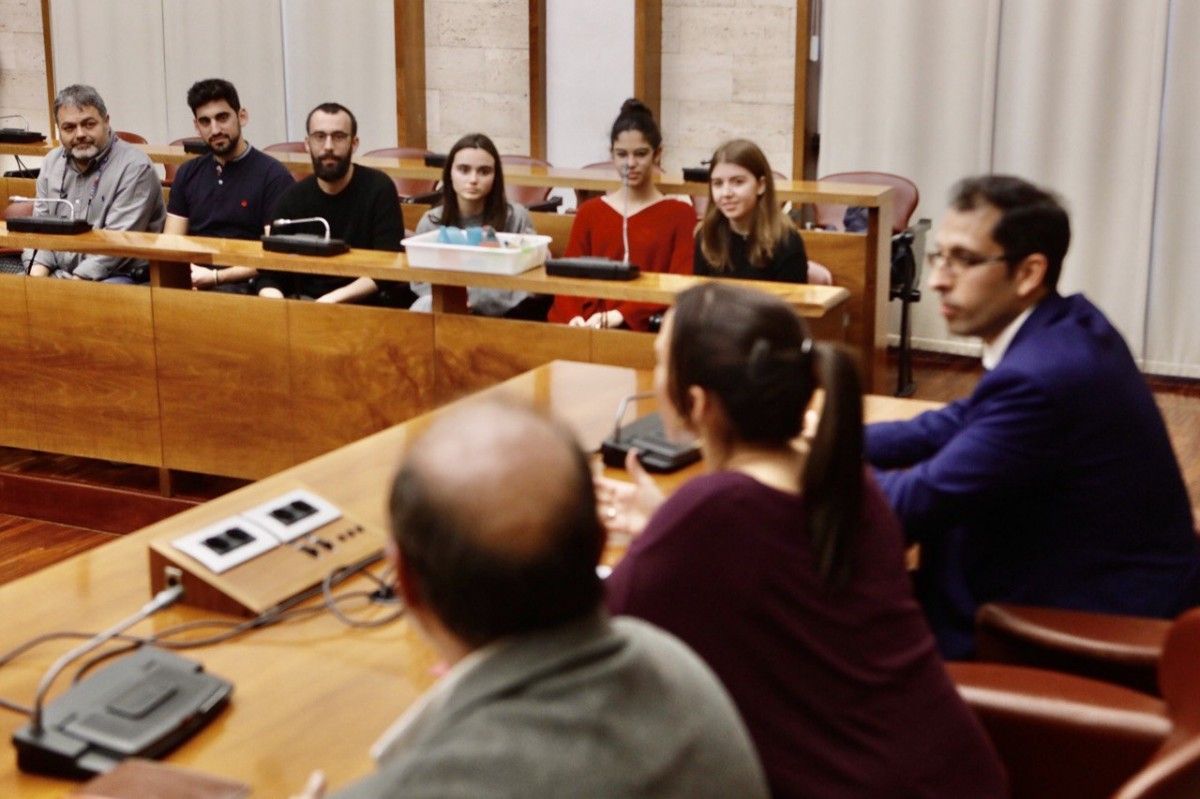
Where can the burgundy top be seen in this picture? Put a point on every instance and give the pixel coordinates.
(842, 689)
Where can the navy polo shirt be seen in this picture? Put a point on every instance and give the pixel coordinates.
(233, 200)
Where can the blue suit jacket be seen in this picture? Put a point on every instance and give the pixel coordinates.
(1053, 484)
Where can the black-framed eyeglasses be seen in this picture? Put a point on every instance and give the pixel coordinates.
(338, 137)
(958, 261)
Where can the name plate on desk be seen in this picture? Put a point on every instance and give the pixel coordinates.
(252, 561)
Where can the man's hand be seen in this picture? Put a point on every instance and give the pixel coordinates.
(203, 277)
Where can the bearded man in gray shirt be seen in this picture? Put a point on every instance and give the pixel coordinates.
(109, 182)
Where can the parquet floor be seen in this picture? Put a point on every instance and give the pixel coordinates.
(27, 545)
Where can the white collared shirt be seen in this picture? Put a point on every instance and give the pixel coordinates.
(395, 737)
(994, 351)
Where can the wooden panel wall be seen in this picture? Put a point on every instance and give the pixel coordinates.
(225, 388)
(18, 402)
(92, 368)
(355, 371)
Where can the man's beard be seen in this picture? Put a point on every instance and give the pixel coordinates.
(85, 152)
(331, 172)
(229, 145)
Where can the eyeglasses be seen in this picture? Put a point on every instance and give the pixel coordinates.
(957, 261)
(338, 137)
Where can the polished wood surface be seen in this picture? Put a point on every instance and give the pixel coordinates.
(355, 371)
(27, 545)
(18, 403)
(650, 287)
(347, 684)
(92, 370)
(224, 383)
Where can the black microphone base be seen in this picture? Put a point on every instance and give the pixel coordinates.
(19, 136)
(305, 244)
(144, 705)
(656, 452)
(48, 224)
(591, 267)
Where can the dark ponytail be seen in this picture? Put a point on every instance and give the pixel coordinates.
(832, 479)
(754, 355)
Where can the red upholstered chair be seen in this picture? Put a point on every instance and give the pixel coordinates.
(169, 170)
(286, 147)
(830, 216)
(410, 190)
(535, 198)
(1120, 649)
(132, 138)
(603, 168)
(1063, 735)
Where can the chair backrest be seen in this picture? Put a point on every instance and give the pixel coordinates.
(169, 170)
(285, 147)
(525, 195)
(132, 138)
(1174, 771)
(406, 187)
(829, 215)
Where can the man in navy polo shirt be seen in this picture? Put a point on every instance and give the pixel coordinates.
(231, 192)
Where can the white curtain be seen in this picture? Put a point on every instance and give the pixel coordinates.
(284, 56)
(1067, 93)
(1173, 325)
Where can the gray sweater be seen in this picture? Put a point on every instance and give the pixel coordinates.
(119, 191)
(598, 708)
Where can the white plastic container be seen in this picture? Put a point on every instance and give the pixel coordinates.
(523, 252)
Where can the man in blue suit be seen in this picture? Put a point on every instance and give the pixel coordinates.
(1054, 483)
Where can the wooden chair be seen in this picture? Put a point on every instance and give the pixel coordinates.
(410, 190)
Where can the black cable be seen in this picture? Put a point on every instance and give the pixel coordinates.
(284, 611)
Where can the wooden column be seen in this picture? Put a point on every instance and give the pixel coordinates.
(409, 19)
(48, 48)
(647, 53)
(537, 78)
(806, 96)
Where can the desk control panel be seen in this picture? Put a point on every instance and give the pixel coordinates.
(253, 560)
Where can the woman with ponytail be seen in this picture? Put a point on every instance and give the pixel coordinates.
(783, 566)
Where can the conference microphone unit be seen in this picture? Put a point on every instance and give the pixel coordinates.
(19, 135)
(436, 160)
(143, 705)
(303, 243)
(591, 267)
(195, 145)
(54, 225)
(696, 174)
(656, 452)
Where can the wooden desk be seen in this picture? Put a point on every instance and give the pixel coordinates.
(311, 693)
(242, 386)
(853, 259)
